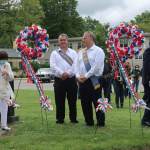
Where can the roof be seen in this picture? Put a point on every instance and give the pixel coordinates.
(69, 39)
(12, 53)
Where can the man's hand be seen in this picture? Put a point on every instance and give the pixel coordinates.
(64, 76)
(4, 72)
(79, 80)
(82, 79)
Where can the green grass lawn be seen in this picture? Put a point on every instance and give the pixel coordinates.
(30, 134)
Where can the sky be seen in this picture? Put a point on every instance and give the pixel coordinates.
(112, 11)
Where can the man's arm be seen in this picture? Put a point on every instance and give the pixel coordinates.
(53, 64)
(98, 64)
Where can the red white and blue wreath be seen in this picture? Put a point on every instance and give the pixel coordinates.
(119, 55)
(32, 42)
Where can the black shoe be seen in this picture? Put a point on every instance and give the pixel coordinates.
(146, 124)
(100, 125)
(59, 121)
(117, 106)
(75, 121)
(90, 124)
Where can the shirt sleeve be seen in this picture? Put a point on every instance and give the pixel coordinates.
(53, 64)
(76, 66)
(98, 64)
(74, 63)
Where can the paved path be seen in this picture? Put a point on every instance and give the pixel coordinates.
(24, 85)
(48, 86)
(3, 132)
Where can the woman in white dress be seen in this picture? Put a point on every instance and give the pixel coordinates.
(6, 75)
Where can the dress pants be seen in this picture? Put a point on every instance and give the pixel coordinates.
(88, 96)
(146, 97)
(146, 116)
(136, 84)
(106, 88)
(3, 111)
(119, 92)
(65, 89)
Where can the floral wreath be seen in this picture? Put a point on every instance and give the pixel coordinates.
(34, 36)
(119, 55)
(130, 32)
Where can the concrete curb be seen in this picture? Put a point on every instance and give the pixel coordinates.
(3, 132)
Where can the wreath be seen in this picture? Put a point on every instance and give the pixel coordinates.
(32, 41)
(129, 32)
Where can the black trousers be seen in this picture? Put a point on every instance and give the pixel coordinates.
(65, 89)
(88, 96)
(119, 92)
(146, 97)
(106, 87)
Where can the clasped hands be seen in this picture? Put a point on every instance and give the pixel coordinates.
(65, 76)
(81, 78)
(4, 73)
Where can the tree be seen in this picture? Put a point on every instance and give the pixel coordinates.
(29, 12)
(143, 21)
(61, 17)
(15, 15)
(7, 22)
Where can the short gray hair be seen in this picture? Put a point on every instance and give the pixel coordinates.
(63, 34)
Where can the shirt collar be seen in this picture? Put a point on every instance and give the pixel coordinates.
(92, 47)
(59, 49)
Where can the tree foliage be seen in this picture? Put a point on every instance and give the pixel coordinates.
(143, 21)
(61, 17)
(15, 15)
(29, 12)
(7, 22)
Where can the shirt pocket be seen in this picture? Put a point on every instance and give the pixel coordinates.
(80, 59)
(91, 59)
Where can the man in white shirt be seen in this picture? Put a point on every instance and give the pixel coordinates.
(89, 67)
(62, 63)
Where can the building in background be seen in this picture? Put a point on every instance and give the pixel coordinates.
(138, 60)
(74, 43)
(14, 58)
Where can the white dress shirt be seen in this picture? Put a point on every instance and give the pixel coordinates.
(96, 59)
(5, 91)
(58, 65)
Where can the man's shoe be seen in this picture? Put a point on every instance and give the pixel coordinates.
(100, 125)
(90, 124)
(6, 128)
(146, 124)
(59, 121)
(75, 121)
